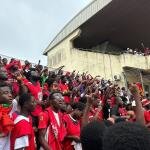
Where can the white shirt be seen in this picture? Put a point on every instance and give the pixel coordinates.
(14, 107)
(57, 117)
(5, 143)
(22, 142)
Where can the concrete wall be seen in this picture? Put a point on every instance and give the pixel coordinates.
(61, 53)
(95, 63)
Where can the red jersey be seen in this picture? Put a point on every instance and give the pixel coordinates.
(36, 91)
(93, 112)
(55, 132)
(6, 123)
(76, 99)
(73, 129)
(147, 116)
(23, 127)
(15, 87)
(64, 88)
(113, 101)
(122, 111)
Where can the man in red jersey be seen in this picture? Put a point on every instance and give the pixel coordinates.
(96, 109)
(51, 127)
(33, 86)
(73, 127)
(65, 89)
(22, 135)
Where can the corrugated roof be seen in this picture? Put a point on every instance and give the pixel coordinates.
(85, 14)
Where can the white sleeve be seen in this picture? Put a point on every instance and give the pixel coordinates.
(21, 142)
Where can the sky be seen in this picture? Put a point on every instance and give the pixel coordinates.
(28, 26)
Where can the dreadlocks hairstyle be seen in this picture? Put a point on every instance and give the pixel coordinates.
(126, 136)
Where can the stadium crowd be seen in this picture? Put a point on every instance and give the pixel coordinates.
(144, 52)
(57, 110)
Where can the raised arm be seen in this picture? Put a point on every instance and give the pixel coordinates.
(85, 118)
(138, 109)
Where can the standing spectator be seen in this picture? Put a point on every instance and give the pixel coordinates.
(146, 105)
(51, 124)
(0, 60)
(26, 67)
(5, 62)
(96, 109)
(33, 86)
(22, 136)
(44, 77)
(3, 74)
(73, 127)
(6, 124)
(65, 89)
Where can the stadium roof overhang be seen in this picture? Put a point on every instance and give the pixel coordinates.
(124, 23)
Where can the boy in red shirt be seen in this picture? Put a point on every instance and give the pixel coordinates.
(22, 135)
(72, 124)
(51, 127)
